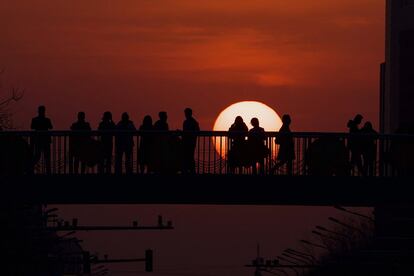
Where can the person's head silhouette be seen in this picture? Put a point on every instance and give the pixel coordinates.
(254, 122)
(125, 117)
(358, 119)
(368, 126)
(41, 110)
(81, 116)
(188, 113)
(107, 116)
(350, 123)
(238, 120)
(147, 121)
(163, 116)
(286, 119)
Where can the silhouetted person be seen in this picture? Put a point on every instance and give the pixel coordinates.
(237, 152)
(190, 126)
(161, 124)
(284, 139)
(369, 148)
(78, 144)
(257, 149)
(124, 143)
(107, 124)
(161, 147)
(40, 142)
(146, 144)
(354, 143)
(327, 156)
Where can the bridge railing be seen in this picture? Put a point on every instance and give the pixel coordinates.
(204, 152)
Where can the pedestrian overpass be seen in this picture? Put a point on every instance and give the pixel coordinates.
(323, 172)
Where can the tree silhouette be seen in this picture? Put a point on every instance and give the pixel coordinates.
(6, 100)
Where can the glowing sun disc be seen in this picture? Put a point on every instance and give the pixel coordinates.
(268, 118)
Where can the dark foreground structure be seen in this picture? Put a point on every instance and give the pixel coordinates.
(326, 169)
(214, 153)
(209, 189)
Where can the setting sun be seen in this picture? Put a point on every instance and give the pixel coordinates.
(268, 119)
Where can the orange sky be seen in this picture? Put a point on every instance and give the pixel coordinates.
(317, 60)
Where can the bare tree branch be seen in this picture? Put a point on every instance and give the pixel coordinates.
(16, 94)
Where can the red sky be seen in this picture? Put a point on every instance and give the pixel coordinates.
(317, 60)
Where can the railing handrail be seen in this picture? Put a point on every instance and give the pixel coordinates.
(199, 133)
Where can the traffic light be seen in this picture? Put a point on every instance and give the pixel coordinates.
(148, 260)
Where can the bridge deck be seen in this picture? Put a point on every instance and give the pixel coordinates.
(208, 189)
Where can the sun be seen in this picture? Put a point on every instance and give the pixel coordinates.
(268, 119)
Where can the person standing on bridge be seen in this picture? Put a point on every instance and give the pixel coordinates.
(124, 143)
(284, 139)
(256, 146)
(146, 144)
(237, 154)
(369, 148)
(162, 144)
(190, 127)
(40, 143)
(106, 125)
(78, 144)
(354, 143)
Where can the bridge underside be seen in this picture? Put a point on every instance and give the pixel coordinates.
(208, 189)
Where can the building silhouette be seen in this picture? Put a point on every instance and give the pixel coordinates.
(397, 74)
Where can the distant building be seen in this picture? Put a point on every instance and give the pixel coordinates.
(397, 74)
